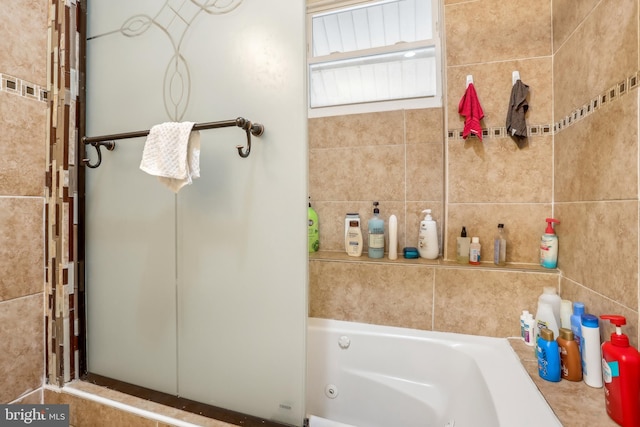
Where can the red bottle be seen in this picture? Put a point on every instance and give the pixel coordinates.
(621, 374)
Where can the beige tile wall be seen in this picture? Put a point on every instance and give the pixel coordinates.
(585, 173)
(23, 45)
(596, 158)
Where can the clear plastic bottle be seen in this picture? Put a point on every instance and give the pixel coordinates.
(474, 251)
(500, 247)
(462, 247)
(376, 234)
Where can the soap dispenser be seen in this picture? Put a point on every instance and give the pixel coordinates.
(621, 374)
(376, 233)
(428, 237)
(549, 245)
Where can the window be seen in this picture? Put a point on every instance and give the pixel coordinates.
(373, 55)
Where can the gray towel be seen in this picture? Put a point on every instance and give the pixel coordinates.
(518, 106)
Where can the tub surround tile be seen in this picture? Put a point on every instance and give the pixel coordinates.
(424, 172)
(608, 231)
(21, 247)
(597, 304)
(22, 145)
(424, 126)
(492, 34)
(586, 152)
(357, 173)
(567, 15)
(22, 337)
(493, 83)
(523, 233)
(394, 295)
(357, 130)
(23, 44)
(610, 31)
(486, 302)
(500, 171)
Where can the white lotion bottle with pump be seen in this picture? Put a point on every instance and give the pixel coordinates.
(549, 245)
(428, 237)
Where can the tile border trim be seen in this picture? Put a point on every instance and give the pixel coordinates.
(17, 86)
(602, 99)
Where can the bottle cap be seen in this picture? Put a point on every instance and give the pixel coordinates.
(578, 308)
(566, 334)
(549, 290)
(464, 232)
(550, 229)
(589, 320)
(546, 334)
(475, 240)
(500, 225)
(617, 338)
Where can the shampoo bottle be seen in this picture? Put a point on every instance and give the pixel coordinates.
(353, 239)
(462, 247)
(576, 323)
(548, 312)
(376, 234)
(393, 237)
(591, 356)
(548, 356)
(500, 247)
(570, 362)
(474, 251)
(621, 373)
(314, 235)
(549, 246)
(428, 237)
(529, 323)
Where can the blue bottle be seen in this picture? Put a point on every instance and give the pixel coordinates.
(576, 323)
(548, 356)
(376, 233)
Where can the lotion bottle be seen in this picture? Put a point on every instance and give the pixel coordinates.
(591, 356)
(353, 239)
(428, 237)
(570, 361)
(376, 234)
(621, 374)
(462, 247)
(549, 245)
(548, 312)
(474, 251)
(548, 356)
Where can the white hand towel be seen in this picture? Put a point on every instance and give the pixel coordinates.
(172, 152)
(323, 422)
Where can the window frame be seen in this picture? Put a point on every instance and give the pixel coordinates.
(435, 101)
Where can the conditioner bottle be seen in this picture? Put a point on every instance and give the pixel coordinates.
(621, 373)
(591, 355)
(570, 363)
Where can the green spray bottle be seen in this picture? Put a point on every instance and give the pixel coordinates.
(314, 234)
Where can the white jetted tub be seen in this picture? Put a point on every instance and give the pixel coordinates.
(378, 376)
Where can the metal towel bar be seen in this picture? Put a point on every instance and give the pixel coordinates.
(108, 141)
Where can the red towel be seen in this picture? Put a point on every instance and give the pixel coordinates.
(470, 108)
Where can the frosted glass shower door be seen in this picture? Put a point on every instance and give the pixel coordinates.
(201, 294)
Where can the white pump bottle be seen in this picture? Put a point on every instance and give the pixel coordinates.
(428, 237)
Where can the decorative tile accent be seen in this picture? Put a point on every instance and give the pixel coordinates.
(61, 271)
(21, 87)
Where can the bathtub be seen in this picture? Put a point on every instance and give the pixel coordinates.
(377, 376)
